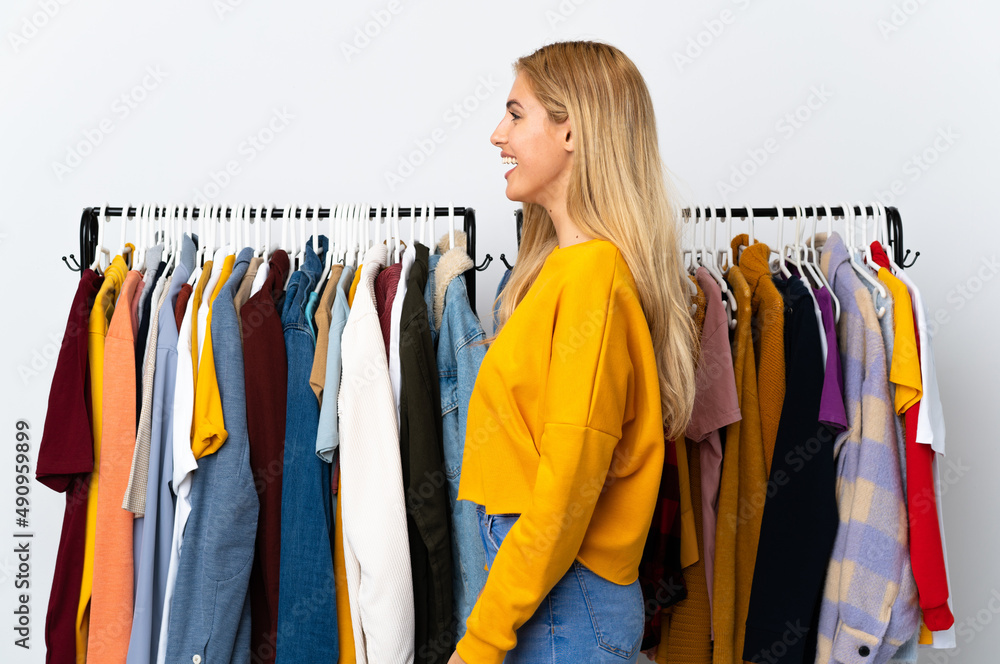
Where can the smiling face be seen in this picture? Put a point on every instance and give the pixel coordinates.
(543, 149)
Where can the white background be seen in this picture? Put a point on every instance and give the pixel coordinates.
(894, 75)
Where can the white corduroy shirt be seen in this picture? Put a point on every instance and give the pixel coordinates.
(376, 548)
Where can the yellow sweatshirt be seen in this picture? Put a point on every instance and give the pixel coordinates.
(564, 427)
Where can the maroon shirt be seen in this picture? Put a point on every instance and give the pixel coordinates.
(65, 462)
(265, 373)
(182, 299)
(385, 293)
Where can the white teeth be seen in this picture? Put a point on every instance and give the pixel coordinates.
(509, 160)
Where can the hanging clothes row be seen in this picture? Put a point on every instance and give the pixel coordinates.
(260, 446)
(799, 519)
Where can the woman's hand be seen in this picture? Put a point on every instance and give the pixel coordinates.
(456, 659)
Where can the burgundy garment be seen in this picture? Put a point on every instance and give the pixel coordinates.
(660, 572)
(182, 299)
(385, 293)
(65, 462)
(266, 378)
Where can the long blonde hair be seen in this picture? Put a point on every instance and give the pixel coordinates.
(618, 192)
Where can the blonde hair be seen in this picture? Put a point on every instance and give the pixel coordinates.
(618, 192)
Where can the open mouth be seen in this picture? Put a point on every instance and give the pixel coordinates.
(509, 160)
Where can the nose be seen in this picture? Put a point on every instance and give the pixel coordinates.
(498, 136)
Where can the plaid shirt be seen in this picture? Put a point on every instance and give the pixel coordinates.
(869, 604)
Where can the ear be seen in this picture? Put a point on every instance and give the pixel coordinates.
(568, 137)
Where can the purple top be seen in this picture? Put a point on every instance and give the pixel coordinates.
(831, 403)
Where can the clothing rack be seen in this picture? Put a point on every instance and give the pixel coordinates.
(895, 222)
(89, 228)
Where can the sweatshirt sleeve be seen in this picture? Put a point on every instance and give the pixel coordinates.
(588, 384)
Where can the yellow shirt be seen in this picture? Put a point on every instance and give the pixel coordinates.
(354, 285)
(100, 317)
(565, 428)
(196, 295)
(904, 371)
(209, 427)
(345, 628)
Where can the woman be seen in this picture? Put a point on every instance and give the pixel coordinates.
(592, 366)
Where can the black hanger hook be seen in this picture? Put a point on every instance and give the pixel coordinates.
(503, 258)
(78, 267)
(482, 266)
(903, 262)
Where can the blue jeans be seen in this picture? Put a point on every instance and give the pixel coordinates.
(584, 618)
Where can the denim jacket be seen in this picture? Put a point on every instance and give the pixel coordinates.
(453, 332)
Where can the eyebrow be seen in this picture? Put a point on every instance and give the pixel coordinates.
(512, 102)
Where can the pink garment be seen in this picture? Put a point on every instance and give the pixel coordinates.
(716, 405)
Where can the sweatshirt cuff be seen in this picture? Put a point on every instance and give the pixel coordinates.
(938, 618)
(474, 650)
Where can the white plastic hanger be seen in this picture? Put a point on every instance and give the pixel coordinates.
(123, 251)
(397, 239)
(248, 229)
(202, 237)
(818, 269)
(782, 268)
(353, 236)
(101, 250)
(799, 252)
(258, 226)
(866, 247)
(285, 232)
(236, 228)
(317, 249)
(328, 258)
(451, 229)
(168, 245)
(861, 270)
(716, 271)
(726, 253)
(386, 222)
(428, 227)
(293, 248)
(686, 249)
(413, 228)
(141, 239)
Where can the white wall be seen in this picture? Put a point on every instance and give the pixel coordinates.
(226, 72)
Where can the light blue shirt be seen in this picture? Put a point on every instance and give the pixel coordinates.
(153, 561)
(327, 437)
